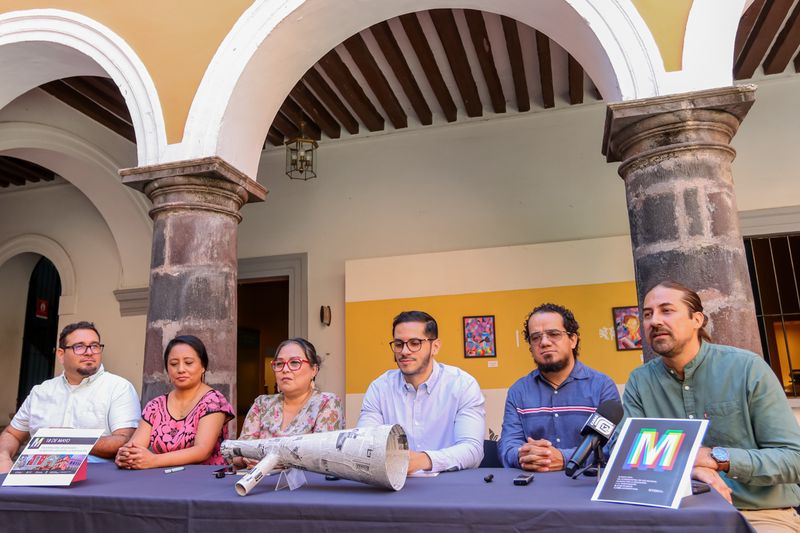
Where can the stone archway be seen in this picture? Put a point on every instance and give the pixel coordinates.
(65, 44)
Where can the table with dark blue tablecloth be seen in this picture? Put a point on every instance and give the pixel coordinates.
(192, 500)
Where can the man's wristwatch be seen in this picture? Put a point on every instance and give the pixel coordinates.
(720, 455)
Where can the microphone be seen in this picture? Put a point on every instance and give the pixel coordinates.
(597, 430)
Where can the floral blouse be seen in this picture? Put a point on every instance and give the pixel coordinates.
(322, 412)
(169, 434)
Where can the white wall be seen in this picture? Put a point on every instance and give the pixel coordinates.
(63, 214)
(15, 275)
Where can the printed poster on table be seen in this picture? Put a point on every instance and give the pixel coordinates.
(652, 462)
(53, 457)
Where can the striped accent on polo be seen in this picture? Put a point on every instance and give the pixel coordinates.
(562, 409)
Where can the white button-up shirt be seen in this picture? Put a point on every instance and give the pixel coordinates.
(444, 417)
(101, 401)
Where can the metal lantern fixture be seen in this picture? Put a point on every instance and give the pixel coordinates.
(301, 156)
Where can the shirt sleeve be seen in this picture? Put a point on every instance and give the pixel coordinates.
(371, 414)
(22, 419)
(512, 436)
(124, 409)
(330, 414)
(251, 428)
(776, 458)
(469, 430)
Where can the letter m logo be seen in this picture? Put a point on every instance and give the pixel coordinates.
(651, 452)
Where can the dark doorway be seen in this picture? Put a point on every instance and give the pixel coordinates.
(41, 328)
(263, 316)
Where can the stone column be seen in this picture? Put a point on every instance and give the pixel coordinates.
(193, 270)
(676, 164)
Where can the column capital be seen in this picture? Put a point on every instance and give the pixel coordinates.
(207, 167)
(735, 101)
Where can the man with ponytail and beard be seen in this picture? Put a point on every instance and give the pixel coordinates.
(751, 451)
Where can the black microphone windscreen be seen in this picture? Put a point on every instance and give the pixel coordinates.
(611, 410)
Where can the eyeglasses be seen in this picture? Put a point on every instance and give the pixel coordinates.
(81, 348)
(554, 335)
(293, 364)
(414, 345)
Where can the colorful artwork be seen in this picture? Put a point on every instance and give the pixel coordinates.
(479, 340)
(627, 327)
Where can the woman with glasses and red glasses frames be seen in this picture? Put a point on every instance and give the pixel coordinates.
(299, 407)
(186, 425)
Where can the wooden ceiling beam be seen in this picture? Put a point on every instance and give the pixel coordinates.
(76, 100)
(514, 49)
(316, 110)
(351, 91)
(785, 45)
(394, 56)
(285, 126)
(575, 74)
(445, 23)
(320, 87)
(746, 24)
(483, 49)
(296, 115)
(545, 69)
(369, 68)
(274, 137)
(761, 36)
(98, 90)
(25, 169)
(9, 175)
(4, 183)
(427, 60)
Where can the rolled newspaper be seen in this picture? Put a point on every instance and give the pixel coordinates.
(257, 473)
(375, 455)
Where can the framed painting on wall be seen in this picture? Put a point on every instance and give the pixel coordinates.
(627, 328)
(479, 336)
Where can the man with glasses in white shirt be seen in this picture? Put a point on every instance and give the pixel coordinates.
(84, 396)
(440, 407)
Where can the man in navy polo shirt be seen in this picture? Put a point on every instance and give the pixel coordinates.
(546, 409)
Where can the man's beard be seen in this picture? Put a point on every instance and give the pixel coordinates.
(555, 366)
(88, 371)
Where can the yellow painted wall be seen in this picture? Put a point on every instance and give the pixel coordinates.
(667, 22)
(368, 331)
(175, 39)
(793, 339)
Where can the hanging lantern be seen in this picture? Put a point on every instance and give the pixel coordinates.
(301, 156)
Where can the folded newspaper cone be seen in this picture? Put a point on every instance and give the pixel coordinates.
(374, 455)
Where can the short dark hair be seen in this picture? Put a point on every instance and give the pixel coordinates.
(431, 328)
(69, 328)
(692, 301)
(306, 346)
(570, 324)
(193, 342)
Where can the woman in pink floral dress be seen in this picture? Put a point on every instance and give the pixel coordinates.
(299, 408)
(185, 426)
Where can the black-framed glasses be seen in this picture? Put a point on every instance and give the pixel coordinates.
(554, 335)
(80, 348)
(414, 345)
(293, 364)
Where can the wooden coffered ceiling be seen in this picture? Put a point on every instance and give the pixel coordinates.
(437, 67)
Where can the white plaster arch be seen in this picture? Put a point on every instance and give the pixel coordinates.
(39, 244)
(94, 172)
(41, 45)
(262, 57)
(708, 46)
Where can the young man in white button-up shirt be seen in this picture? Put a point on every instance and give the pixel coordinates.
(440, 407)
(85, 396)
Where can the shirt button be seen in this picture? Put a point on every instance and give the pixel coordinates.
(558, 440)
(691, 416)
(686, 387)
(555, 392)
(556, 415)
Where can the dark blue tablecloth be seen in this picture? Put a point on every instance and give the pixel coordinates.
(192, 500)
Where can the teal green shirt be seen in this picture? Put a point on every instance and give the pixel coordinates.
(738, 393)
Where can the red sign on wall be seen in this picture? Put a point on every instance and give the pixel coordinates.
(42, 308)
